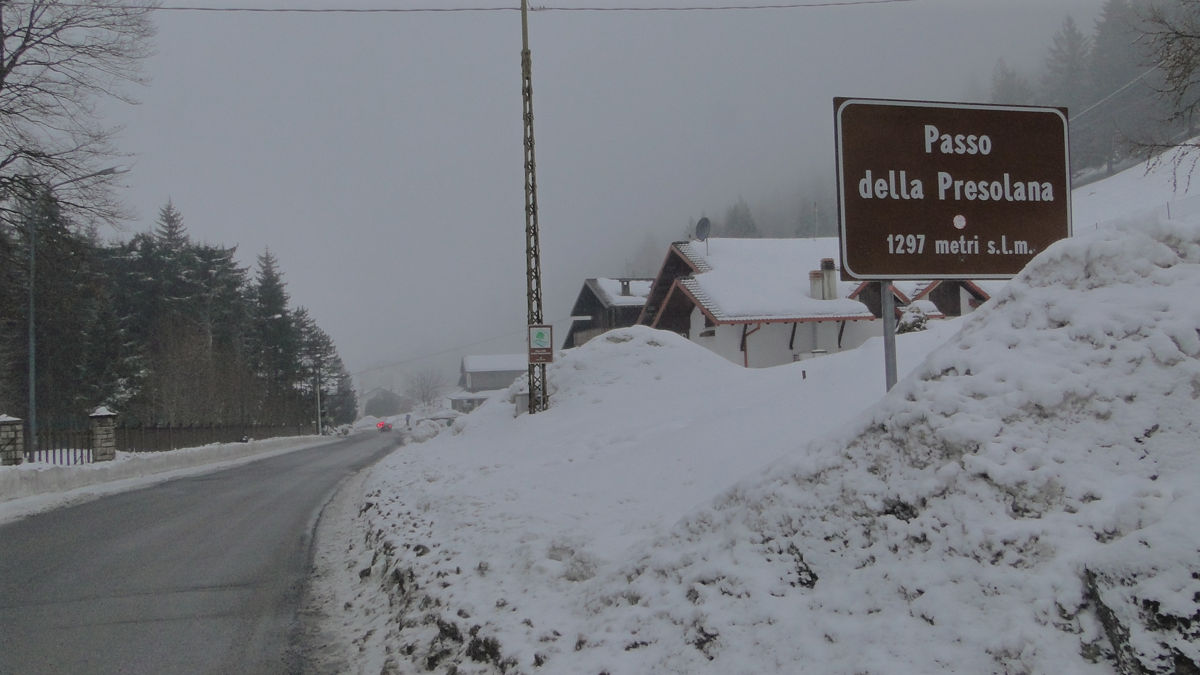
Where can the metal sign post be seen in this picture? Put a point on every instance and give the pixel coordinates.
(889, 333)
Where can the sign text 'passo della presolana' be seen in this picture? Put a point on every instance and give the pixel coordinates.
(896, 184)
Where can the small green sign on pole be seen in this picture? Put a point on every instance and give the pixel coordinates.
(541, 344)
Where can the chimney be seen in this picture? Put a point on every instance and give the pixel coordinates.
(829, 278)
(816, 284)
(625, 287)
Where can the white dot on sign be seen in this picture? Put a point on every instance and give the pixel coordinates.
(960, 222)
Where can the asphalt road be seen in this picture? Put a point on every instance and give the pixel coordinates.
(196, 575)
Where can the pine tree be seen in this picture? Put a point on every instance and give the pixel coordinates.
(1066, 80)
(1116, 57)
(1010, 87)
(67, 307)
(106, 376)
(343, 401)
(1066, 83)
(178, 387)
(323, 370)
(169, 230)
(739, 222)
(12, 299)
(1115, 74)
(275, 343)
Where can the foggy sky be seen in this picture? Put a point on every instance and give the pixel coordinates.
(379, 156)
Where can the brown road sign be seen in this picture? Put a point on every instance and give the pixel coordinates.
(948, 190)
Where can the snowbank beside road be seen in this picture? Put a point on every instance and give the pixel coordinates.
(30, 488)
(1024, 501)
(512, 518)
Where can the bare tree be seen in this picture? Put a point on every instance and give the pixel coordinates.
(1172, 31)
(57, 60)
(425, 386)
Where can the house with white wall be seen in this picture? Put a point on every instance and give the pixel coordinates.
(759, 302)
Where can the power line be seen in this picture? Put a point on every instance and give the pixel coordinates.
(721, 8)
(432, 10)
(327, 10)
(1115, 92)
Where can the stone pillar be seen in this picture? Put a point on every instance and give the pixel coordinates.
(104, 435)
(12, 441)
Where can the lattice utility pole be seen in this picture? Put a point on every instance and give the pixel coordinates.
(538, 400)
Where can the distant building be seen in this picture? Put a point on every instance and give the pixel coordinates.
(610, 303)
(485, 373)
(466, 401)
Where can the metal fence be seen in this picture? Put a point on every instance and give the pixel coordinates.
(163, 438)
(62, 447)
(74, 446)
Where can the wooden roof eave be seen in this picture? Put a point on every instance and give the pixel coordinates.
(676, 287)
(796, 319)
(663, 277)
(895, 291)
(974, 289)
(927, 290)
(581, 308)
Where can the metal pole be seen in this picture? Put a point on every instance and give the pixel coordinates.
(889, 332)
(31, 442)
(533, 257)
(319, 432)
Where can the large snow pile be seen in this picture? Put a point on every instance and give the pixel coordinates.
(1023, 502)
(522, 513)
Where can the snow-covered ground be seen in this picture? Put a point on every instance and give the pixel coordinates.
(1024, 500)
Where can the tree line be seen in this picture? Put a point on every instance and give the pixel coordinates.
(160, 328)
(1111, 81)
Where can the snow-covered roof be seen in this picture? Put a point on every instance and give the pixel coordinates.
(927, 308)
(610, 291)
(482, 363)
(765, 279)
